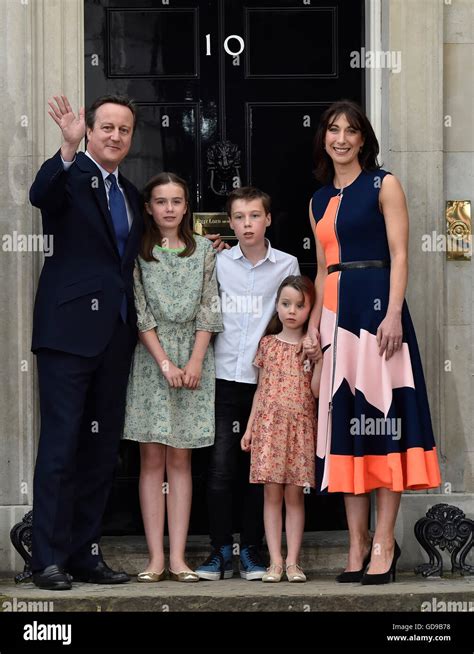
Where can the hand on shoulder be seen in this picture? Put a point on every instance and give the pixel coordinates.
(217, 243)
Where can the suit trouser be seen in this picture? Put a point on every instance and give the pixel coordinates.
(82, 403)
(228, 472)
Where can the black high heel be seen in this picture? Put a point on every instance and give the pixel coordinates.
(384, 577)
(355, 575)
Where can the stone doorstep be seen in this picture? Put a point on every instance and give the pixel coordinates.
(320, 593)
(321, 551)
(324, 552)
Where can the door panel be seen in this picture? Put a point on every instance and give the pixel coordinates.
(130, 33)
(174, 148)
(278, 133)
(304, 41)
(218, 118)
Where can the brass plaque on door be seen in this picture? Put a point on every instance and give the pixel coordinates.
(213, 223)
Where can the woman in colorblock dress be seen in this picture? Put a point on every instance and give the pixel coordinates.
(374, 428)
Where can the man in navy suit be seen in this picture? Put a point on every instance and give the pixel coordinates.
(84, 333)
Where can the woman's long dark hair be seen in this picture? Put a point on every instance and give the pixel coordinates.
(152, 235)
(300, 283)
(355, 116)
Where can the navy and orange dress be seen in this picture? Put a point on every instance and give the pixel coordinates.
(374, 423)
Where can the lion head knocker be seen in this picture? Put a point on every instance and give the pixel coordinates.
(223, 162)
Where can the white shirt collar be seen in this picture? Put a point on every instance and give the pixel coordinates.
(270, 255)
(105, 173)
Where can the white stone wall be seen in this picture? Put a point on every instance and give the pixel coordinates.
(17, 272)
(458, 169)
(41, 54)
(416, 157)
(435, 164)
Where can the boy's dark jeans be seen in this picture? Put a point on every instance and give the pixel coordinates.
(228, 472)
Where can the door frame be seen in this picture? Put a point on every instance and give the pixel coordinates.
(377, 80)
(377, 97)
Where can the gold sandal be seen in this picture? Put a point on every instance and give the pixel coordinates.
(273, 573)
(150, 577)
(185, 575)
(297, 576)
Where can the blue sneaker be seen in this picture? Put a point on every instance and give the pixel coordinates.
(252, 565)
(218, 565)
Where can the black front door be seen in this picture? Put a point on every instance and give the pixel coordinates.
(229, 93)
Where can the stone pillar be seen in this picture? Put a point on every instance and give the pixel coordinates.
(458, 185)
(41, 54)
(416, 156)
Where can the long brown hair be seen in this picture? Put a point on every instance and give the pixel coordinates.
(152, 234)
(300, 283)
(355, 116)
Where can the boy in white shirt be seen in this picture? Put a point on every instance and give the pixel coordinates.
(249, 275)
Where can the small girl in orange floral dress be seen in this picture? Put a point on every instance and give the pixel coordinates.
(281, 431)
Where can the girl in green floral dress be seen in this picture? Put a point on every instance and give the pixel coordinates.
(170, 397)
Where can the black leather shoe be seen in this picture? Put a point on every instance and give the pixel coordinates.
(355, 575)
(101, 574)
(52, 578)
(384, 577)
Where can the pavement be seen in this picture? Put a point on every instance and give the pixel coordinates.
(319, 593)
